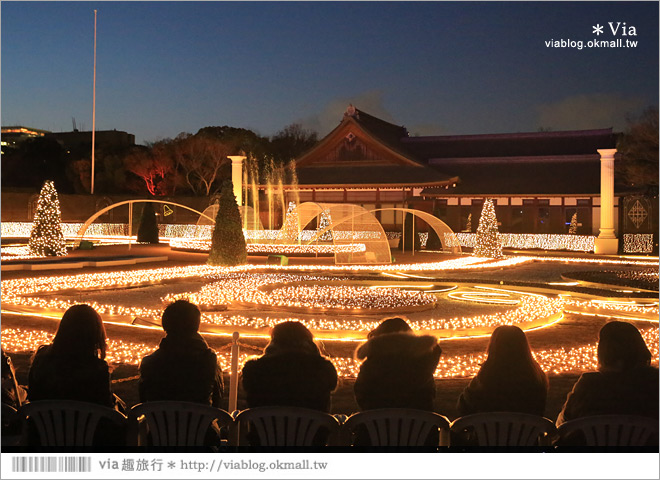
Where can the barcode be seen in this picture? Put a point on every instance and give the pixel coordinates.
(51, 464)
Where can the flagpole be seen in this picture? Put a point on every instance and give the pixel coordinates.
(94, 108)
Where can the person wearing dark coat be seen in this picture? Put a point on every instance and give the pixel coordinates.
(510, 380)
(73, 367)
(625, 382)
(291, 372)
(184, 367)
(397, 368)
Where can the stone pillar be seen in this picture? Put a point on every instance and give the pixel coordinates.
(607, 243)
(237, 176)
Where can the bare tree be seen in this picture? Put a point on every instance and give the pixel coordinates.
(154, 167)
(200, 159)
(639, 150)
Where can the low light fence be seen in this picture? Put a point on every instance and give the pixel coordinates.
(529, 241)
(638, 243)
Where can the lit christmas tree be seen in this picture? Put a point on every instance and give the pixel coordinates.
(291, 225)
(572, 229)
(46, 237)
(323, 224)
(468, 227)
(488, 237)
(228, 242)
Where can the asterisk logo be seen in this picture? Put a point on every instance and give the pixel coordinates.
(598, 29)
(171, 465)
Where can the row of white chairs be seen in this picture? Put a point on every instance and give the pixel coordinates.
(66, 423)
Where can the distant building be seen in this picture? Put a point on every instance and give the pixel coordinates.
(537, 180)
(12, 136)
(76, 141)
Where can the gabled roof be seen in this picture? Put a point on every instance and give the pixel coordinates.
(382, 135)
(565, 162)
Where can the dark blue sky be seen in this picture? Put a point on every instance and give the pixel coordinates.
(435, 67)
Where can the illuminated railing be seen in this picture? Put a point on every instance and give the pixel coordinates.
(272, 248)
(523, 241)
(638, 242)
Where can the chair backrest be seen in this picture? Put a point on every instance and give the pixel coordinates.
(286, 427)
(611, 431)
(177, 424)
(68, 423)
(10, 426)
(397, 427)
(505, 429)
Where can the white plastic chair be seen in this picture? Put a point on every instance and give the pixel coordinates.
(397, 427)
(505, 429)
(67, 423)
(610, 431)
(175, 423)
(286, 427)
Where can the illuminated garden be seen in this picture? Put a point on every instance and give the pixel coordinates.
(458, 297)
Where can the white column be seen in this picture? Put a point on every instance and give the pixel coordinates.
(607, 243)
(237, 176)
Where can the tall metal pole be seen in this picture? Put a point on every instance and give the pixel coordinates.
(94, 108)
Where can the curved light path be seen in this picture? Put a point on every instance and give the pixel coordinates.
(253, 286)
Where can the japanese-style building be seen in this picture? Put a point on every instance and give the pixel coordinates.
(537, 180)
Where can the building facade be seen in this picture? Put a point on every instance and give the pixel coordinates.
(538, 181)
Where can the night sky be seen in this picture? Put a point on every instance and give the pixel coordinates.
(436, 67)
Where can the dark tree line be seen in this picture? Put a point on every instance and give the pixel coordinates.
(190, 164)
(638, 145)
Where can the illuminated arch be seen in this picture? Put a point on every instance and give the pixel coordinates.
(90, 220)
(249, 217)
(447, 237)
(349, 224)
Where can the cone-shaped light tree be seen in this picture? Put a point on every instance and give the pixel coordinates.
(572, 229)
(228, 242)
(46, 238)
(488, 236)
(148, 230)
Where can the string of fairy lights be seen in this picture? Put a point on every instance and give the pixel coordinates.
(180, 233)
(251, 284)
(638, 242)
(309, 293)
(554, 361)
(272, 248)
(541, 241)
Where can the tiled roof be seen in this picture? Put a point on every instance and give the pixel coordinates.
(530, 177)
(377, 176)
(512, 145)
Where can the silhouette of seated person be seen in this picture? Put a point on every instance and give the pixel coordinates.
(625, 383)
(396, 371)
(13, 395)
(510, 380)
(183, 367)
(291, 372)
(73, 367)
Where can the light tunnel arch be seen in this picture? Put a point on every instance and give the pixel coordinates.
(352, 219)
(90, 220)
(441, 228)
